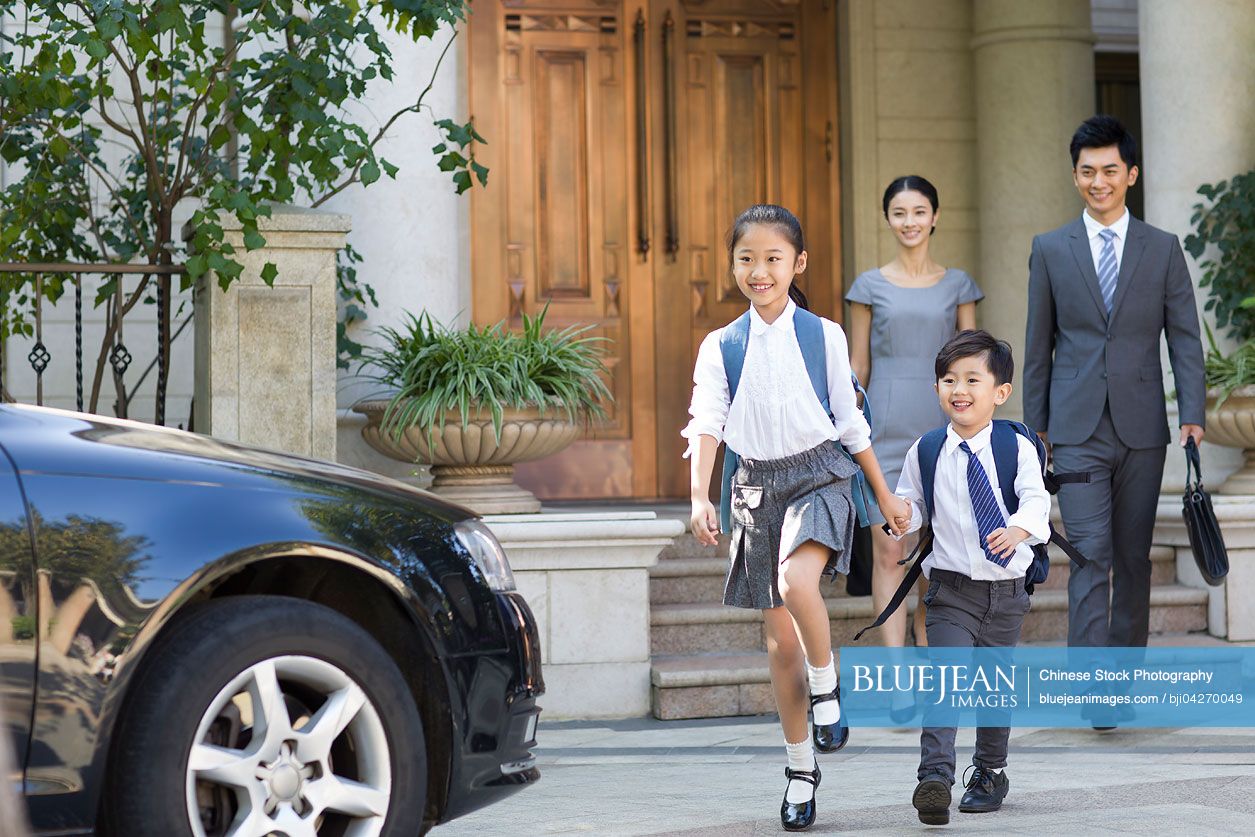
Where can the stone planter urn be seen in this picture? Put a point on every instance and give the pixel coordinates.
(469, 465)
(1233, 425)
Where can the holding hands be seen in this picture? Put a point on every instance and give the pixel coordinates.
(897, 513)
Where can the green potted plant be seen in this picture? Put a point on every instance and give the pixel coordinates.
(473, 402)
(1228, 225)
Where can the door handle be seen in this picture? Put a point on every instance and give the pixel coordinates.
(642, 139)
(669, 134)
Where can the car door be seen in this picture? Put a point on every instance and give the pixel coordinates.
(17, 617)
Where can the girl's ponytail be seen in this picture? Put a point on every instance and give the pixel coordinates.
(783, 220)
(799, 298)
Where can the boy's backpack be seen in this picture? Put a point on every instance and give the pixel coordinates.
(1005, 450)
(809, 330)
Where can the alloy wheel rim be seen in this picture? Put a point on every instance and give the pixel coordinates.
(290, 744)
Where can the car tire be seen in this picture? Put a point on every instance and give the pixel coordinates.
(189, 736)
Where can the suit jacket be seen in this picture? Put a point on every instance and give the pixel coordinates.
(1077, 359)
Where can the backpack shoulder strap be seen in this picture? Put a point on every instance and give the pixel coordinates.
(732, 345)
(929, 451)
(1006, 450)
(809, 330)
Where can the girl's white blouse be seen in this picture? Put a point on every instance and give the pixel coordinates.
(776, 412)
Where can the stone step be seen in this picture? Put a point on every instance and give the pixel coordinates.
(708, 627)
(700, 579)
(686, 546)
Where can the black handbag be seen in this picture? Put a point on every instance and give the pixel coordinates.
(1200, 522)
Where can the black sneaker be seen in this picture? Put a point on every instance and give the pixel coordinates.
(985, 791)
(932, 800)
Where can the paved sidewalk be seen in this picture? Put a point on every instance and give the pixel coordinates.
(724, 778)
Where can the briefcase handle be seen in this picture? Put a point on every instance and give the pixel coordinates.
(1192, 459)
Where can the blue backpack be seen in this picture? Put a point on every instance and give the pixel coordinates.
(809, 330)
(1006, 462)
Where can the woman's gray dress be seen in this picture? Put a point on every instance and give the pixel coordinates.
(909, 327)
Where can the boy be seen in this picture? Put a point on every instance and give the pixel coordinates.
(976, 596)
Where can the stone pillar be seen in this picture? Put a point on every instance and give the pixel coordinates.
(586, 578)
(1034, 85)
(1197, 73)
(266, 355)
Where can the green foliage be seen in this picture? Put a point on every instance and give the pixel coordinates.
(354, 298)
(433, 369)
(112, 112)
(23, 627)
(1229, 275)
(1228, 372)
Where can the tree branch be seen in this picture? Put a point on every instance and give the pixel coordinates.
(414, 108)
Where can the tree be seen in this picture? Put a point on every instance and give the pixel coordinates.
(112, 112)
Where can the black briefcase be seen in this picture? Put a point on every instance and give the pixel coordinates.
(1200, 521)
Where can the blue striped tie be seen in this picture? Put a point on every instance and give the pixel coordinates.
(988, 515)
(1108, 268)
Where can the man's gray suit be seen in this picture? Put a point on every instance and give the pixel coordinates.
(1093, 383)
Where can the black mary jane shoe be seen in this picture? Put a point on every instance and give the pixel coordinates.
(799, 816)
(828, 738)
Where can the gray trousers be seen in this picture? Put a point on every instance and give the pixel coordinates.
(1111, 520)
(963, 613)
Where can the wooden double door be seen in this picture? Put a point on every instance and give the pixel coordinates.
(623, 139)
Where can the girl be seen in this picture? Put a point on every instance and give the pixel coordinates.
(901, 314)
(792, 514)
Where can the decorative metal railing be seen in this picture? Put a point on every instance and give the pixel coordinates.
(113, 353)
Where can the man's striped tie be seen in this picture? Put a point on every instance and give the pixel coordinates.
(984, 506)
(1108, 268)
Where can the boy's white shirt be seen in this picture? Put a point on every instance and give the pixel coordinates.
(956, 538)
(776, 412)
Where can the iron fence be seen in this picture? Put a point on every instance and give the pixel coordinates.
(113, 353)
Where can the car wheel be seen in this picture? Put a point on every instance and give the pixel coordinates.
(265, 715)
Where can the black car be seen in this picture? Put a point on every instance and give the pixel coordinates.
(201, 638)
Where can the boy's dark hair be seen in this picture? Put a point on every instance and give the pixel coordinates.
(768, 214)
(977, 342)
(1101, 131)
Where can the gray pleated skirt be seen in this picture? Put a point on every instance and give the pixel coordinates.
(780, 504)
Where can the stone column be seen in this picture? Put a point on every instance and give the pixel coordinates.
(266, 355)
(1034, 85)
(586, 578)
(1197, 73)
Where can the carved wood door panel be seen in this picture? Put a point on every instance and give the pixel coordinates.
(624, 137)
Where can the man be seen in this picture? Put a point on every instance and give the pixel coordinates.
(1101, 289)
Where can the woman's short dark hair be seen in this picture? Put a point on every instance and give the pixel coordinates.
(977, 342)
(1101, 131)
(910, 183)
(768, 214)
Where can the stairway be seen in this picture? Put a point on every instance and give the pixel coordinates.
(711, 661)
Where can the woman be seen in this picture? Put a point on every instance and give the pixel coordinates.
(901, 314)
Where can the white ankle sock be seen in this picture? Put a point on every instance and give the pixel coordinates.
(822, 681)
(801, 757)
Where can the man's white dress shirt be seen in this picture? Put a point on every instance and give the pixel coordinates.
(776, 412)
(1093, 229)
(956, 538)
